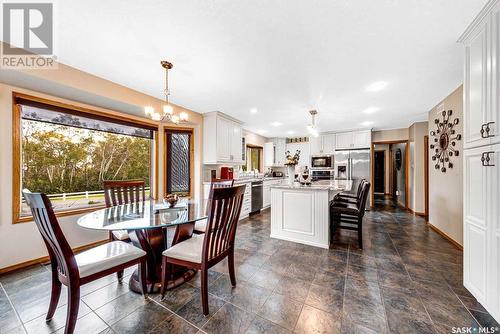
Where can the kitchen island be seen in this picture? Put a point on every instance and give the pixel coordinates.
(300, 213)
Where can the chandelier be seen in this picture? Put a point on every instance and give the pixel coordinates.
(313, 130)
(167, 114)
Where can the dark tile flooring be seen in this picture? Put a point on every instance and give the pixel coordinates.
(407, 279)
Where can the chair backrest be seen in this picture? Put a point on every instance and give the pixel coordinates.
(364, 196)
(218, 183)
(360, 188)
(124, 192)
(59, 250)
(224, 213)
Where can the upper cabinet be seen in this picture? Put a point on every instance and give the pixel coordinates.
(482, 79)
(353, 140)
(274, 152)
(323, 144)
(222, 139)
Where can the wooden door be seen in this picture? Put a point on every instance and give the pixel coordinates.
(379, 172)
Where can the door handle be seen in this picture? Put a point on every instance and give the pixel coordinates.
(483, 158)
(488, 129)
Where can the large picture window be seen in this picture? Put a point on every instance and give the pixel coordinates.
(67, 154)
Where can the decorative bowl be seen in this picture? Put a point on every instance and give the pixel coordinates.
(171, 199)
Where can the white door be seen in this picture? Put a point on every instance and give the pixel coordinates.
(493, 302)
(361, 139)
(223, 140)
(266, 194)
(475, 223)
(475, 92)
(494, 115)
(268, 154)
(316, 145)
(235, 135)
(280, 152)
(328, 143)
(343, 140)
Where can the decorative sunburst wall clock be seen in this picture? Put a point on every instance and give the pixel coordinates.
(445, 140)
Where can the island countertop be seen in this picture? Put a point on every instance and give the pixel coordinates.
(335, 185)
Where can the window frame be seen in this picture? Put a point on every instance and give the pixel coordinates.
(78, 110)
(166, 130)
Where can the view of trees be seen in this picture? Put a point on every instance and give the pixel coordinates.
(64, 159)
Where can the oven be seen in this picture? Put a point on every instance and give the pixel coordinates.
(322, 174)
(322, 162)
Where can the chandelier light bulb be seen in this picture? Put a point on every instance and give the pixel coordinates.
(156, 116)
(183, 116)
(175, 119)
(149, 111)
(168, 110)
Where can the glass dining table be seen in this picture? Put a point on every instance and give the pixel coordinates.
(147, 224)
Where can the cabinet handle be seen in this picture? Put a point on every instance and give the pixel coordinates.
(483, 131)
(488, 159)
(488, 129)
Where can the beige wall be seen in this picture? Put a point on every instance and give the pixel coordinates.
(390, 135)
(254, 139)
(22, 242)
(416, 181)
(446, 189)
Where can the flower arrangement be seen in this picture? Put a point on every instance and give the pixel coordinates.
(292, 160)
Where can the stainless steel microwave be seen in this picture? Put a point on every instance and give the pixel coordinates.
(323, 161)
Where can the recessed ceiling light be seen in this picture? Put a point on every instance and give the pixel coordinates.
(376, 86)
(371, 110)
(253, 110)
(367, 123)
(291, 132)
(276, 124)
(261, 131)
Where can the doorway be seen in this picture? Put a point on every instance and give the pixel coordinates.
(379, 174)
(254, 158)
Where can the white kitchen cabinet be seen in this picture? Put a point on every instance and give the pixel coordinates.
(222, 138)
(481, 181)
(266, 194)
(246, 207)
(353, 140)
(343, 140)
(323, 144)
(274, 153)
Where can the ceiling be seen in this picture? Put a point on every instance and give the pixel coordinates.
(276, 58)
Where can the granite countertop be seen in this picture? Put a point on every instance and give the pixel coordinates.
(335, 185)
(252, 179)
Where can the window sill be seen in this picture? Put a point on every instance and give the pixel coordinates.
(26, 219)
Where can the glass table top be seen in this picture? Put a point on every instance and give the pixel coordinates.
(144, 215)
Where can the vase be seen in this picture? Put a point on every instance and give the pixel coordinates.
(291, 174)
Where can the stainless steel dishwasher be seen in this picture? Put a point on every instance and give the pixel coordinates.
(256, 196)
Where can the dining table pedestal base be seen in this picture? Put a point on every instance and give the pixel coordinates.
(154, 242)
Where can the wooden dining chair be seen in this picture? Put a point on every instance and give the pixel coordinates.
(123, 192)
(201, 225)
(203, 251)
(76, 270)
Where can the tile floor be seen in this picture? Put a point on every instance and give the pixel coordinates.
(407, 279)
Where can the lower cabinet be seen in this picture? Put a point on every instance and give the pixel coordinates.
(481, 219)
(266, 192)
(247, 198)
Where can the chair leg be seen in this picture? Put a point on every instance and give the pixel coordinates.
(164, 265)
(142, 278)
(119, 274)
(360, 233)
(54, 296)
(204, 290)
(73, 305)
(230, 264)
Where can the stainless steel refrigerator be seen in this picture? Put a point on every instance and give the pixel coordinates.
(353, 165)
